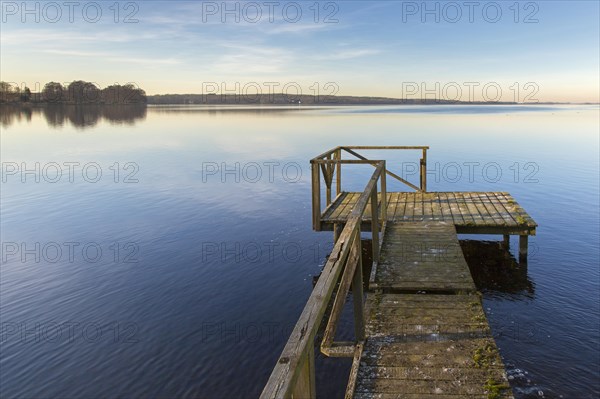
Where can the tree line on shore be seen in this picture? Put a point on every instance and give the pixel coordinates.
(76, 92)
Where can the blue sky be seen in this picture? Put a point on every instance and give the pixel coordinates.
(508, 50)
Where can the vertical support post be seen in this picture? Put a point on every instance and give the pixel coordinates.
(523, 246)
(357, 293)
(506, 242)
(305, 384)
(338, 172)
(383, 194)
(337, 231)
(328, 176)
(316, 196)
(375, 226)
(424, 171)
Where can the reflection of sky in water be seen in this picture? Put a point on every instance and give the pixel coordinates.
(174, 209)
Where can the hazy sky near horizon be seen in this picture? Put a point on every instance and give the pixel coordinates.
(467, 50)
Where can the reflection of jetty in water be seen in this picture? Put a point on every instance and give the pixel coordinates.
(80, 116)
(495, 269)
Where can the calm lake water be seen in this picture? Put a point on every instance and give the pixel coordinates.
(168, 251)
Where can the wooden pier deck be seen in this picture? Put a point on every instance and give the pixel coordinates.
(470, 212)
(427, 335)
(419, 325)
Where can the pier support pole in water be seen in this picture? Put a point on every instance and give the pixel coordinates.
(523, 244)
(506, 242)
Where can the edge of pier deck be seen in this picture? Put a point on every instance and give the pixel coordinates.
(470, 212)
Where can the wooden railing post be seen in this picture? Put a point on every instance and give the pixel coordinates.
(328, 176)
(316, 196)
(383, 195)
(375, 225)
(357, 294)
(338, 173)
(305, 384)
(424, 171)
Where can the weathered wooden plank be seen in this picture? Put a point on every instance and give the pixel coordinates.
(409, 211)
(427, 206)
(418, 213)
(351, 387)
(334, 209)
(481, 208)
(305, 385)
(522, 218)
(401, 209)
(502, 216)
(325, 154)
(444, 208)
(345, 213)
(316, 196)
(423, 256)
(369, 395)
(436, 207)
(392, 205)
(486, 210)
(469, 219)
(384, 147)
(338, 171)
(433, 301)
(499, 203)
(375, 228)
(429, 373)
(473, 209)
(399, 212)
(457, 217)
(342, 292)
(458, 352)
(459, 386)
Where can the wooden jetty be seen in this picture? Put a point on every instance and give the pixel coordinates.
(420, 329)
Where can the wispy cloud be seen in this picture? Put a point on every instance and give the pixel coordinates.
(114, 57)
(292, 28)
(36, 36)
(252, 58)
(349, 54)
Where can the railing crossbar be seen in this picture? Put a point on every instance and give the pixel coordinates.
(395, 176)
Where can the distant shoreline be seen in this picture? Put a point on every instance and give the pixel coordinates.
(281, 101)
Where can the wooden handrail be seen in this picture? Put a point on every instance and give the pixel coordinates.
(395, 176)
(326, 153)
(329, 164)
(386, 147)
(294, 373)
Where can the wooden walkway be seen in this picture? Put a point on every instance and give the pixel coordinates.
(470, 212)
(427, 334)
